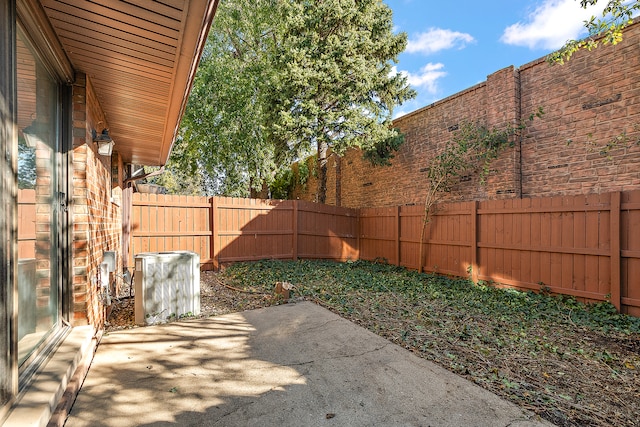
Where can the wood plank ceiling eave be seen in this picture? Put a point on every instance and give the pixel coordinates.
(140, 59)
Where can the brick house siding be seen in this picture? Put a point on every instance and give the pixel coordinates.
(96, 213)
(595, 95)
(64, 203)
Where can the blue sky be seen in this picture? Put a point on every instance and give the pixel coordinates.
(455, 45)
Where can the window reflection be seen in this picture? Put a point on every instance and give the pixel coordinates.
(38, 300)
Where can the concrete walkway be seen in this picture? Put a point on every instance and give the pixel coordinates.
(290, 365)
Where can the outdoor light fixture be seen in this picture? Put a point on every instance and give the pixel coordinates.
(104, 141)
(33, 133)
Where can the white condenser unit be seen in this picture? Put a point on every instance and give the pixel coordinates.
(167, 286)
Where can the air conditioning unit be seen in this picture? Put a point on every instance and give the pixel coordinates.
(167, 286)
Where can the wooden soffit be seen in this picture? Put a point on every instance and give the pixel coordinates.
(141, 57)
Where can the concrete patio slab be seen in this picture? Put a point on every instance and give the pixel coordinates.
(291, 365)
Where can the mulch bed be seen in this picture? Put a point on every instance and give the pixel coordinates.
(215, 300)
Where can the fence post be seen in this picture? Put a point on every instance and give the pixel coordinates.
(295, 230)
(358, 231)
(474, 242)
(614, 221)
(214, 233)
(397, 228)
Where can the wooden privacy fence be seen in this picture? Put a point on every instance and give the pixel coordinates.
(585, 246)
(252, 229)
(225, 229)
(168, 223)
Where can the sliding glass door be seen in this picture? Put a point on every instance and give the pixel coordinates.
(32, 97)
(8, 377)
(38, 287)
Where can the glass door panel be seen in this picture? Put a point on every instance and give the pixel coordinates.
(38, 295)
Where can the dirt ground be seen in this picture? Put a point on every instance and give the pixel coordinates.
(215, 300)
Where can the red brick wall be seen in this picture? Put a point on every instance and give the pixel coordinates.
(596, 93)
(96, 219)
(426, 132)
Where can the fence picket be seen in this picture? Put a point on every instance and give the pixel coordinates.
(615, 249)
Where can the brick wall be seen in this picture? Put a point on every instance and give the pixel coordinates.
(593, 97)
(96, 219)
(596, 93)
(426, 132)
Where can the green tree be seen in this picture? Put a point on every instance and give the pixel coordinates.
(175, 181)
(384, 150)
(280, 80)
(607, 29)
(335, 88)
(223, 131)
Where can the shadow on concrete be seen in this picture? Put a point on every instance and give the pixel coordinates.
(290, 365)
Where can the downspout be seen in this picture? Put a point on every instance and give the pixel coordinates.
(146, 175)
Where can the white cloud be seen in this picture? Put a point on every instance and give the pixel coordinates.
(413, 105)
(437, 39)
(551, 24)
(399, 113)
(426, 78)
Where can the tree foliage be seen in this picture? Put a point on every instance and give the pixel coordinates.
(175, 181)
(383, 151)
(290, 179)
(280, 79)
(606, 30)
(26, 166)
(337, 89)
(223, 131)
